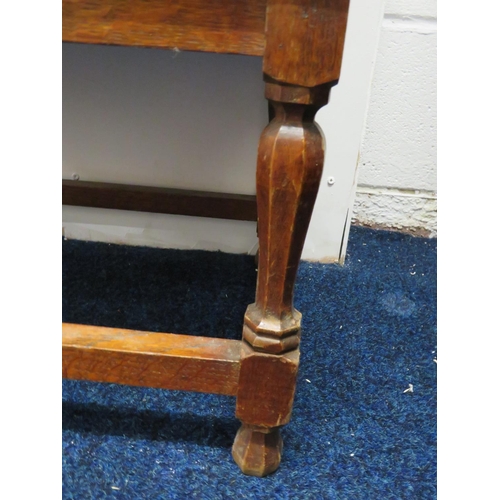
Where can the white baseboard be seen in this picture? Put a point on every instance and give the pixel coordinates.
(407, 210)
(159, 230)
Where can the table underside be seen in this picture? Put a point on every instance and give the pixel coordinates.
(221, 26)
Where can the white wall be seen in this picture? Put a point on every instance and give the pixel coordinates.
(397, 171)
(161, 118)
(192, 120)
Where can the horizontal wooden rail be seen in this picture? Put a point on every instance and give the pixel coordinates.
(225, 26)
(159, 200)
(165, 361)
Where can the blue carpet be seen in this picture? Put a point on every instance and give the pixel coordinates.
(369, 331)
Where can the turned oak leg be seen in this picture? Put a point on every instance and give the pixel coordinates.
(289, 166)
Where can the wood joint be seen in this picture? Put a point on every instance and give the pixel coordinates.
(296, 94)
(266, 387)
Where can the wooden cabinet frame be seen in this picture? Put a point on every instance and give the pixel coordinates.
(301, 43)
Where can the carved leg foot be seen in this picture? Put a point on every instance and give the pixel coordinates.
(257, 450)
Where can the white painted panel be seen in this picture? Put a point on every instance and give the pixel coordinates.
(343, 122)
(161, 118)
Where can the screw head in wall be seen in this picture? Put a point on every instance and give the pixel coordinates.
(331, 181)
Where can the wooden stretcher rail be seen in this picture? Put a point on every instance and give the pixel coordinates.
(159, 200)
(223, 26)
(165, 361)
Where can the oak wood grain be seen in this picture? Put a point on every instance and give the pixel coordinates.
(289, 166)
(305, 40)
(159, 200)
(166, 361)
(223, 26)
(266, 387)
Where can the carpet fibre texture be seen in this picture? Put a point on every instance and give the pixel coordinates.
(364, 419)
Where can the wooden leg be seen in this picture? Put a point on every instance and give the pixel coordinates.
(289, 166)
